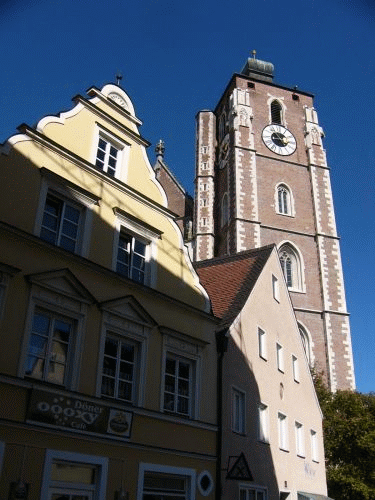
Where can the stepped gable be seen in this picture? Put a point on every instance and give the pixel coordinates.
(230, 280)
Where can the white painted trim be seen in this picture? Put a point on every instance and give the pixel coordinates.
(166, 469)
(141, 339)
(234, 389)
(263, 407)
(291, 207)
(60, 119)
(300, 266)
(78, 458)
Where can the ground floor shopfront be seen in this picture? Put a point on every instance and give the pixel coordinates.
(128, 455)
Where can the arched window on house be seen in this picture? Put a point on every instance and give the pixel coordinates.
(305, 342)
(276, 112)
(292, 267)
(284, 200)
(224, 210)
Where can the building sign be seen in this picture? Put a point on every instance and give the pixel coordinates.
(78, 414)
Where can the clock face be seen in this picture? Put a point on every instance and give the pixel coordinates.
(279, 139)
(118, 99)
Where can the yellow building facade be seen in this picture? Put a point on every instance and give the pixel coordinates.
(107, 346)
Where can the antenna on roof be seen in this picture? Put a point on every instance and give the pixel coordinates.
(118, 77)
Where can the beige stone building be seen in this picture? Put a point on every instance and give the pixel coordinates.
(261, 178)
(271, 429)
(107, 346)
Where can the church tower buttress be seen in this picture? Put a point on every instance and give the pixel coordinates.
(264, 180)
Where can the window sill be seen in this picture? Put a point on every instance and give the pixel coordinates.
(239, 433)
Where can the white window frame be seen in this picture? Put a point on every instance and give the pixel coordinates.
(179, 347)
(295, 366)
(300, 439)
(146, 235)
(275, 288)
(297, 266)
(314, 446)
(253, 488)
(282, 424)
(262, 343)
(122, 147)
(44, 298)
(67, 192)
(74, 458)
(188, 473)
(238, 403)
(204, 150)
(289, 210)
(280, 357)
(263, 423)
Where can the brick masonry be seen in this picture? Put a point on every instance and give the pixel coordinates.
(241, 166)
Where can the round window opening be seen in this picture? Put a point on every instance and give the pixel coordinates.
(205, 483)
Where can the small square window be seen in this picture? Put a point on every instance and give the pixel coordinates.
(238, 411)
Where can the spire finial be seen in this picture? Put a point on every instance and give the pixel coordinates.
(159, 149)
(254, 53)
(118, 77)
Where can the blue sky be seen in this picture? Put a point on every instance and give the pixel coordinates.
(176, 58)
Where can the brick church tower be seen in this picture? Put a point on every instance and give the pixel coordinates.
(261, 178)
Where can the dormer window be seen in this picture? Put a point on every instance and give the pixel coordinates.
(276, 112)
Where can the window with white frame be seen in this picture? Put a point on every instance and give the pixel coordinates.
(178, 385)
(283, 431)
(263, 423)
(252, 493)
(238, 411)
(120, 367)
(134, 253)
(107, 156)
(314, 446)
(300, 439)
(292, 267)
(64, 213)
(131, 257)
(284, 200)
(204, 150)
(54, 326)
(262, 343)
(280, 357)
(61, 222)
(74, 476)
(295, 366)
(162, 482)
(50, 347)
(275, 288)
(181, 375)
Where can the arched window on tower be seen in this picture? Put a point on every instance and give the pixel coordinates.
(305, 342)
(276, 112)
(292, 267)
(284, 201)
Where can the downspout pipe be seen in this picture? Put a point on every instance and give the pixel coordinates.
(221, 348)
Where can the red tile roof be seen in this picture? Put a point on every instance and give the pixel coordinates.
(229, 280)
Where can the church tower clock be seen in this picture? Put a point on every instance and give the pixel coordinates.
(262, 177)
